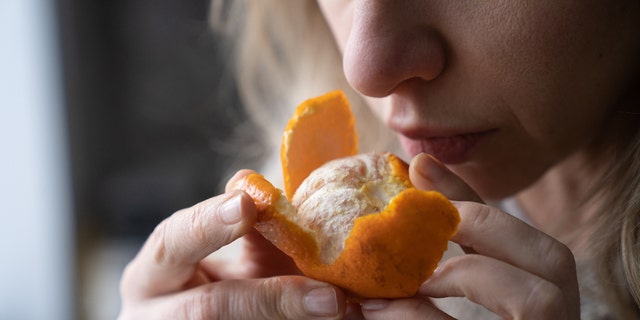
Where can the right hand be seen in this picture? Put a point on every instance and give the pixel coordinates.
(511, 268)
(177, 276)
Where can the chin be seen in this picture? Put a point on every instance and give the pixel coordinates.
(494, 185)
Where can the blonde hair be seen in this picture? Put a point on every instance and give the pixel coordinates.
(615, 244)
(277, 72)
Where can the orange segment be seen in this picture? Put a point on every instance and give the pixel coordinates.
(321, 129)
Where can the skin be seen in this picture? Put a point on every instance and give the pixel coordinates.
(523, 70)
(492, 88)
(538, 79)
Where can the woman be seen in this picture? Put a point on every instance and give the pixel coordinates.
(532, 106)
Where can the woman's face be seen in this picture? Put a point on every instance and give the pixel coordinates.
(498, 90)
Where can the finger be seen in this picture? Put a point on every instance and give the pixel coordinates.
(169, 258)
(258, 259)
(235, 178)
(272, 298)
(427, 173)
(261, 258)
(265, 258)
(504, 289)
(496, 234)
(412, 308)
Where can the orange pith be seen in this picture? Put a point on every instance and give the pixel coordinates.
(387, 254)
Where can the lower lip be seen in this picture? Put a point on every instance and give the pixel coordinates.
(449, 150)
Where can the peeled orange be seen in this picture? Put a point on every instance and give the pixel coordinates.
(351, 220)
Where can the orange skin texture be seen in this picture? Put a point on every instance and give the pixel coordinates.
(388, 254)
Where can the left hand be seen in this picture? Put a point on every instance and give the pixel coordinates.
(511, 268)
(180, 272)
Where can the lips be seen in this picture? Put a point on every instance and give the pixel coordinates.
(450, 149)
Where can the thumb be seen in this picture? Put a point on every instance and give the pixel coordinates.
(428, 173)
(288, 297)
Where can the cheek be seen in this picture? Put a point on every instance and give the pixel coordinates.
(560, 66)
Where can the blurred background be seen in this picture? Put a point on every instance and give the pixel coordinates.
(115, 114)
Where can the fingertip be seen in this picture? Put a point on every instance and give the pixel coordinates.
(323, 302)
(320, 300)
(425, 170)
(300, 297)
(428, 173)
(430, 167)
(238, 207)
(233, 181)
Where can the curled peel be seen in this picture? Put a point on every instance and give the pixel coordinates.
(321, 129)
(351, 220)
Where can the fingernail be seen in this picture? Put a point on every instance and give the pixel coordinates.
(231, 212)
(429, 167)
(321, 302)
(374, 304)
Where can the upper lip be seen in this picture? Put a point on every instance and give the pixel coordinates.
(406, 119)
(428, 132)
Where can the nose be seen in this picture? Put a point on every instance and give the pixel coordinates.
(390, 44)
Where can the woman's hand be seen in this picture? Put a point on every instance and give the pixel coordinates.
(511, 268)
(175, 275)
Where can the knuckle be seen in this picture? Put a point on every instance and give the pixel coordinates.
(545, 301)
(482, 215)
(257, 299)
(185, 226)
(202, 306)
(196, 223)
(476, 217)
(199, 226)
(558, 257)
(275, 304)
(564, 259)
(160, 249)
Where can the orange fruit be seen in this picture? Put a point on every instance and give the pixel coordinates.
(351, 220)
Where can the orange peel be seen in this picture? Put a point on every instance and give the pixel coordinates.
(352, 220)
(321, 129)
